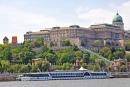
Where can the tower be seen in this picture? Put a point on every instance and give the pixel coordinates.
(5, 40)
(14, 41)
(118, 21)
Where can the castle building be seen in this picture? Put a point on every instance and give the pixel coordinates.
(111, 35)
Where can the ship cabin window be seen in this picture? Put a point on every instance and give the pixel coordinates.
(98, 74)
(63, 75)
(79, 74)
(35, 75)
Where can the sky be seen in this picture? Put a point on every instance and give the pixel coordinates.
(19, 16)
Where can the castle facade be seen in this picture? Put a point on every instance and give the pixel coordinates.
(111, 35)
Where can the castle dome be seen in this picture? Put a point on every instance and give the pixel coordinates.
(117, 18)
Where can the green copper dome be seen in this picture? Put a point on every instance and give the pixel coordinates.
(117, 18)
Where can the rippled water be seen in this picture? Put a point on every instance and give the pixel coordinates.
(116, 82)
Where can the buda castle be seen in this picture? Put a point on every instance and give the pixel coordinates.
(111, 35)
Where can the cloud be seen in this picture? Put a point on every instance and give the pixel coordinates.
(14, 22)
(96, 15)
(125, 13)
(81, 9)
(100, 15)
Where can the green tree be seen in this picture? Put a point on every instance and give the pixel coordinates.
(38, 42)
(7, 54)
(29, 67)
(6, 45)
(120, 53)
(51, 44)
(68, 43)
(96, 68)
(92, 58)
(39, 65)
(43, 65)
(84, 65)
(34, 69)
(24, 69)
(67, 55)
(64, 57)
(127, 56)
(1, 70)
(105, 52)
(90, 67)
(127, 45)
(26, 55)
(121, 50)
(41, 55)
(65, 42)
(15, 54)
(123, 68)
(109, 68)
(96, 43)
(56, 67)
(50, 51)
(52, 58)
(10, 69)
(46, 66)
(5, 64)
(66, 66)
(86, 57)
(74, 48)
(78, 54)
(101, 64)
(27, 44)
(16, 68)
(43, 49)
(111, 57)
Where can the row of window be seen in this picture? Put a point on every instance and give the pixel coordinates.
(98, 74)
(66, 74)
(65, 35)
(31, 39)
(35, 36)
(65, 31)
(35, 75)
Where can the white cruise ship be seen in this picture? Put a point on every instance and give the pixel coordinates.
(63, 75)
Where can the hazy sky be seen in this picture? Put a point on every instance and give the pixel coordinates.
(19, 16)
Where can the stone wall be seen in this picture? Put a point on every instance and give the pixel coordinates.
(8, 76)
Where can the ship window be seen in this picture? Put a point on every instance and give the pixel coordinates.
(36, 75)
(98, 74)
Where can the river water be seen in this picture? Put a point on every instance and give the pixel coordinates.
(116, 82)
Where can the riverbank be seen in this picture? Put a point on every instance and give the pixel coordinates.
(120, 74)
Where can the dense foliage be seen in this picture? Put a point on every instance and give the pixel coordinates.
(19, 59)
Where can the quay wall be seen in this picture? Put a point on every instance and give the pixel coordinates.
(8, 76)
(120, 74)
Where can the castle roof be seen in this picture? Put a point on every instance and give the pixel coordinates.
(5, 38)
(117, 18)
